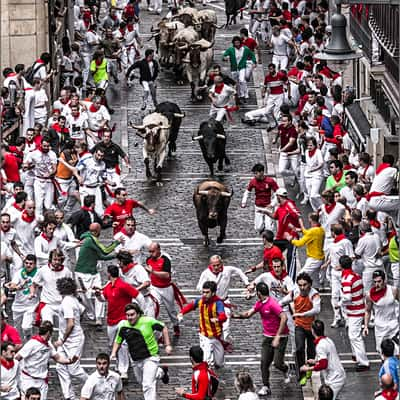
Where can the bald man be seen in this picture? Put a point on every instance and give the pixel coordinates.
(388, 390)
(86, 272)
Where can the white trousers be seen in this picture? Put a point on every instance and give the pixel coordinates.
(312, 267)
(98, 206)
(166, 296)
(89, 280)
(217, 112)
(123, 353)
(395, 273)
(356, 340)
(313, 185)
(336, 387)
(150, 307)
(336, 292)
(114, 177)
(68, 201)
(262, 221)
(285, 161)
(156, 5)
(240, 78)
(280, 62)
(149, 90)
(386, 333)
(44, 194)
(23, 319)
(66, 372)
(213, 351)
(28, 382)
(147, 372)
(49, 312)
(388, 204)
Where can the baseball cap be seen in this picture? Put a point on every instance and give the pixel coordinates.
(281, 192)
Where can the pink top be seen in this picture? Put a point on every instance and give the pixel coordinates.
(270, 310)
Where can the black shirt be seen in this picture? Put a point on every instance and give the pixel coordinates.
(112, 152)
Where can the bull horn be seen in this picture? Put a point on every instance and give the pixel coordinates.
(197, 137)
(138, 127)
(221, 136)
(177, 115)
(154, 29)
(203, 192)
(226, 194)
(140, 135)
(219, 27)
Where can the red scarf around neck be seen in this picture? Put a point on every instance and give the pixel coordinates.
(376, 224)
(210, 267)
(329, 207)
(123, 230)
(27, 218)
(128, 267)
(58, 269)
(219, 88)
(93, 108)
(17, 207)
(85, 208)
(312, 152)
(44, 236)
(382, 167)
(337, 177)
(40, 340)
(7, 364)
(390, 394)
(376, 295)
(338, 238)
(279, 278)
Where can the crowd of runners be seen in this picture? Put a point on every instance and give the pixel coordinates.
(62, 192)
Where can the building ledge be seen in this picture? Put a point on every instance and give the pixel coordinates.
(357, 125)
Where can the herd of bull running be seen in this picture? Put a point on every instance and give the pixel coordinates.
(185, 43)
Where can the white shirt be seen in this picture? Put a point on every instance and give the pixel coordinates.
(347, 193)
(58, 104)
(326, 350)
(315, 161)
(328, 219)
(22, 302)
(138, 242)
(239, 54)
(366, 172)
(98, 387)
(222, 99)
(43, 163)
(64, 233)
(43, 247)
(36, 357)
(10, 377)
(341, 248)
(368, 247)
(384, 180)
(136, 276)
(222, 279)
(92, 171)
(77, 126)
(47, 279)
(6, 238)
(279, 44)
(26, 235)
(40, 103)
(97, 117)
(71, 309)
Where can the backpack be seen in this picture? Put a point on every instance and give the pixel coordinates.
(31, 71)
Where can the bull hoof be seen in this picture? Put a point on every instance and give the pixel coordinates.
(220, 239)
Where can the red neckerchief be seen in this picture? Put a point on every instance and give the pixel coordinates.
(40, 61)
(219, 88)
(87, 23)
(27, 218)
(122, 32)
(58, 128)
(113, 17)
(7, 364)
(376, 224)
(17, 207)
(76, 117)
(85, 208)
(376, 295)
(312, 152)
(98, 62)
(40, 340)
(329, 207)
(128, 267)
(338, 238)
(58, 269)
(11, 74)
(337, 177)
(123, 231)
(65, 102)
(382, 167)
(389, 394)
(44, 236)
(130, 27)
(80, 155)
(281, 278)
(212, 270)
(93, 108)
(318, 339)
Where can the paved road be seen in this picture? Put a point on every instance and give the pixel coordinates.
(176, 228)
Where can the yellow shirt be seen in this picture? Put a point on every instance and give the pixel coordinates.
(313, 238)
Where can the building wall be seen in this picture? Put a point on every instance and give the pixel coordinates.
(24, 31)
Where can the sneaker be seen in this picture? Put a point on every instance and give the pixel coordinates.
(286, 378)
(264, 391)
(124, 376)
(177, 331)
(304, 201)
(143, 107)
(165, 377)
(335, 323)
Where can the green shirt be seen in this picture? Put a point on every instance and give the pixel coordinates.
(331, 182)
(140, 337)
(99, 71)
(393, 250)
(247, 54)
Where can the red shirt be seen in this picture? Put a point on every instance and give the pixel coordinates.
(286, 133)
(287, 214)
(10, 334)
(162, 264)
(263, 190)
(270, 254)
(118, 296)
(275, 84)
(10, 167)
(119, 213)
(250, 43)
(200, 383)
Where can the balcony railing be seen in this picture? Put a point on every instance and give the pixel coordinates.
(360, 30)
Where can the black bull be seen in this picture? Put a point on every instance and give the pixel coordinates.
(232, 8)
(212, 139)
(211, 200)
(174, 115)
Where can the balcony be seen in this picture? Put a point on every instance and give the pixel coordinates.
(360, 29)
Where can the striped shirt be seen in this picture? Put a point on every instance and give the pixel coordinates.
(353, 293)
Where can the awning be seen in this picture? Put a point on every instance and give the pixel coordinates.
(357, 125)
